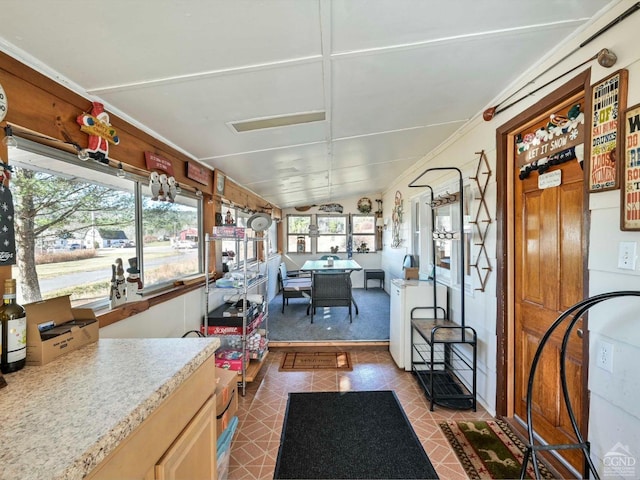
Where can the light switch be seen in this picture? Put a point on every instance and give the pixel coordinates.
(627, 255)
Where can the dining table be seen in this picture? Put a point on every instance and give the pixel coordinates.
(348, 265)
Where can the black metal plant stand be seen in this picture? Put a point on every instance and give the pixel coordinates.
(576, 312)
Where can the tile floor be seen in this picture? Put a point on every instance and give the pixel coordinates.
(261, 411)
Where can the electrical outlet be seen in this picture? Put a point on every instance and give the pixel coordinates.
(627, 255)
(604, 359)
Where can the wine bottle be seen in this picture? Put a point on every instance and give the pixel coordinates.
(14, 330)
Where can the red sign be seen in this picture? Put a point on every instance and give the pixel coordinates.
(156, 162)
(198, 173)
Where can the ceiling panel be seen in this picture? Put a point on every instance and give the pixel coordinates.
(436, 83)
(199, 110)
(100, 44)
(413, 21)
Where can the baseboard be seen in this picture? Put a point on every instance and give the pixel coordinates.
(329, 345)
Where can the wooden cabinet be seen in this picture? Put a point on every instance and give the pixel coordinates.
(191, 456)
(177, 441)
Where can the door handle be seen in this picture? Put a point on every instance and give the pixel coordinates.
(580, 333)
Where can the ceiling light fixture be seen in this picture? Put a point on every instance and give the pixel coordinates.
(279, 121)
(9, 140)
(120, 173)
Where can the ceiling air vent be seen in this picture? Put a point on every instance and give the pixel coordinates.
(281, 121)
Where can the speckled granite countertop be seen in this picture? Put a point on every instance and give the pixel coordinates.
(60, 420)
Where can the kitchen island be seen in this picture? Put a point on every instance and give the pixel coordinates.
(116, 399)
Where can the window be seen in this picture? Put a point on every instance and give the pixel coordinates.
(364, 233)
(74, 219)
(332, 230)
(298, 240)
(234, 249)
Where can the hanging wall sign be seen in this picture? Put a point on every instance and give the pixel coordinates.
(7, 230)
(198, 173)
(155, 162)
(565, 129)
(609, 100)
(630, 190)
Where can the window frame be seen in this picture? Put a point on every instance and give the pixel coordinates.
(373, 244)
(308, 245)
(346, 234)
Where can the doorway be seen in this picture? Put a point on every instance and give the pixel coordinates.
(543, 271)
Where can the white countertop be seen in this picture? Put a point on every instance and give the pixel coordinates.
(400, 282)
(60, 420)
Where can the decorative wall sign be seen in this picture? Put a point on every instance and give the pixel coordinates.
(630, 191)
(609, 100)
(220, 180)
(396, 219)
(156, 162)
(7, 231)
(198, 173)
(101, 133)
(564, 129)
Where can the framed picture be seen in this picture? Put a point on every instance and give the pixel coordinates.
(608, 101)
(220, 179)
(630, 188)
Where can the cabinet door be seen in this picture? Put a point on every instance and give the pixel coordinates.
(193, 455)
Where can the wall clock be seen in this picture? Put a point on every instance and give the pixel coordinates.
(3, 104)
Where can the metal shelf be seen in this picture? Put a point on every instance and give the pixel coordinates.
(247, 322)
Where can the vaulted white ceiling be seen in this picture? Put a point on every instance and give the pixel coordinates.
(395, 78)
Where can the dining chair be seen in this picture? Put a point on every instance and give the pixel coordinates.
(330, 289)
(292, 287)
(327, 257)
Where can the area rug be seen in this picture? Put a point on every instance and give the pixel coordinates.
(305, 361)
(489, 449)
(352, 435)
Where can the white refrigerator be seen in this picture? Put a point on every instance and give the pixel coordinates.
(405, 295)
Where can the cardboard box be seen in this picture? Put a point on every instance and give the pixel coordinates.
(226, 398)
(411, 273)
(74, 328)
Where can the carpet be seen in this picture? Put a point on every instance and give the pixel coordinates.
(305, 361)
(331, 324)
(352, 435)
(489, 449)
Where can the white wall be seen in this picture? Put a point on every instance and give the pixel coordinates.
(614, 410)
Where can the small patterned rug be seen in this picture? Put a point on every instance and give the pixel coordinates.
(305, 361)
(489, 449)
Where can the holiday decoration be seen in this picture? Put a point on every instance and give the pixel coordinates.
(364, 205)
(100, 131)
(118, 292)
(7, 229)
(134, 282)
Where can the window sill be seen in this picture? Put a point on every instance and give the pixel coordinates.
(110, 316)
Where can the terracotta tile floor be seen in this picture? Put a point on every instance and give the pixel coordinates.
(261, 411)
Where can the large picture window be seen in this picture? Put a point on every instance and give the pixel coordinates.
(74, 219)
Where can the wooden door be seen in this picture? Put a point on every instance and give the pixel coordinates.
(549, 254)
